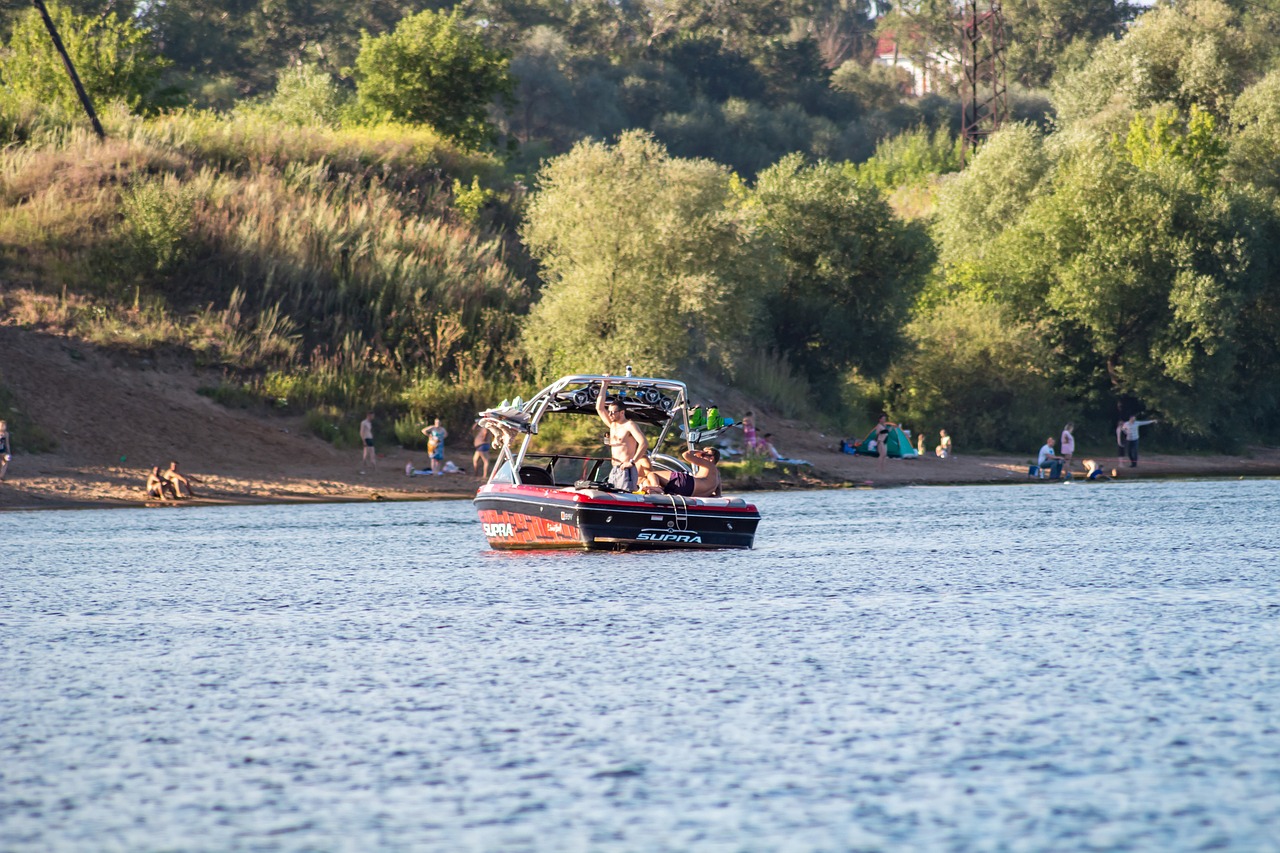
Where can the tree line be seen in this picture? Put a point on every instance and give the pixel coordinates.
(740, 186)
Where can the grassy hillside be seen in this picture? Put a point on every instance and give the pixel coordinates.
(327, 271)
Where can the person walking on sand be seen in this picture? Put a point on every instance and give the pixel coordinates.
(6, 452)
(1131, 428)
(369, 458)
(480, 457)
(436, 434)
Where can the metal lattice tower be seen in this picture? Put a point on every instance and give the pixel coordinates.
(984, 98)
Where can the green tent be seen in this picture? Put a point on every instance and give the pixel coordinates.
(899, 445)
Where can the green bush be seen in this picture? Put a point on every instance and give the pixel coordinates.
(158, 216)
(328, 423)
(911, 158)
(768, 376)
(23, 432)
(978, 372)
(233, 395)
(408, 432)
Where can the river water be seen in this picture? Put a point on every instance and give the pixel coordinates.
(1048, 667)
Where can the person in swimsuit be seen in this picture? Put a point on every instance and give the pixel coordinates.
(178, 482)
(882, 438)
(158, 487)
(366, 438)
(436, 434)
(627, 444)
(482, 445)
(5, 453)
(704, 482)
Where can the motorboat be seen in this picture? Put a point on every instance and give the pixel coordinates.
(541, 498)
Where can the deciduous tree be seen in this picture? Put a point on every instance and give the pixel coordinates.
(114, 58)
(648, 260)
(850, 267)
(434, 69)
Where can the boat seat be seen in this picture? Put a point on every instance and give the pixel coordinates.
(532, 475)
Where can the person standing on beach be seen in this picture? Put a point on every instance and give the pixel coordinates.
(1122, 439)
(1067, 445)
(436, 434)
(6, 452)
(366, 438)
(1131, 428)
(882, 439)
(480, 456)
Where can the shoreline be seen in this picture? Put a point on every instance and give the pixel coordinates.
(57, 483)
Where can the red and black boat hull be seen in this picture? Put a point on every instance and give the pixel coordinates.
(534, 517)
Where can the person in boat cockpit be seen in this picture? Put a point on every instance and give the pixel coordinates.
(626, 442)
(704, 482)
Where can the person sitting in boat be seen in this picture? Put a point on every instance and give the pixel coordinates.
(704, 482)
(627, 444)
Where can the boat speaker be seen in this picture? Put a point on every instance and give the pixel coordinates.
(593, 392)
(581, 397)
(650, 396)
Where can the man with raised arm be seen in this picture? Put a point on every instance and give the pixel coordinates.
(626, 442)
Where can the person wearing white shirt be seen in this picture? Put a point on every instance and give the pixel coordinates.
(1049, 459)
(1131, 428)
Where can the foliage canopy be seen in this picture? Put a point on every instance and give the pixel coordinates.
(433, 69)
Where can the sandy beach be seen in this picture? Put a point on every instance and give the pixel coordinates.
(114, 416)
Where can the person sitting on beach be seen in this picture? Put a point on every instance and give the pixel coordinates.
(158, 487)
(944, 445)
(704, 482)
(180, 483)
(1049, 459)
(767, 449)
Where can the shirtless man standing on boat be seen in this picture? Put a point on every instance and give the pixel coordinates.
(626, 442)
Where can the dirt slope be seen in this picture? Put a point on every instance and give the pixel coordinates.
(114, 416)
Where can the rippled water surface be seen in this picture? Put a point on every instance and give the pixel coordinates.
(1050, 667)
